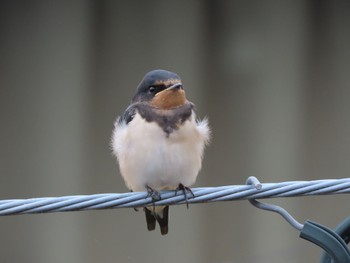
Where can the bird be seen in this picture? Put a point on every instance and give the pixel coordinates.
(159, 142)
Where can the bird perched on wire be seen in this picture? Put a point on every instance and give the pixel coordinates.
(159, 142)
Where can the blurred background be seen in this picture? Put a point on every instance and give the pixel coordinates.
(273, 77)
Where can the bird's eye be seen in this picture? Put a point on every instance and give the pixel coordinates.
(152, 89)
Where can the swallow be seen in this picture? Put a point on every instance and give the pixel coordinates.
(159, 142)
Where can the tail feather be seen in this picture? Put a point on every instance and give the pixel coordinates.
(163, 221)
(162, 217)
(150, 219)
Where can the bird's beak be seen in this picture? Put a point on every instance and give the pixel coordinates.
(176, 86)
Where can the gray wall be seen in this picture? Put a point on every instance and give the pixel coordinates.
(273, 78)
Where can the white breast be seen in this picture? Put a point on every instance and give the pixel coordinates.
(147, 156)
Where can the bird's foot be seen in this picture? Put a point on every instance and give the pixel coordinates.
(136, 209)
(154, 194)
(185, 190)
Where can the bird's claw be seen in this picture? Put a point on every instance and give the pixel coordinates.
(136, 209)
(185, 191)
(154, 194)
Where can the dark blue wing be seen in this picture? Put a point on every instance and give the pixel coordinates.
(128, 115)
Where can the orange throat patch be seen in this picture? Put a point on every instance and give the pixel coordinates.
(169, 99)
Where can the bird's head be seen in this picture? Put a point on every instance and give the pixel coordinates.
(161, 89)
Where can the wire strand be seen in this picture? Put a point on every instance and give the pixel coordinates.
(202, 195)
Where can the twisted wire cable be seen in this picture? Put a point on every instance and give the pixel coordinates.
(201, 195)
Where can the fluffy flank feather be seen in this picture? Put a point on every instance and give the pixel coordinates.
(204, 129)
